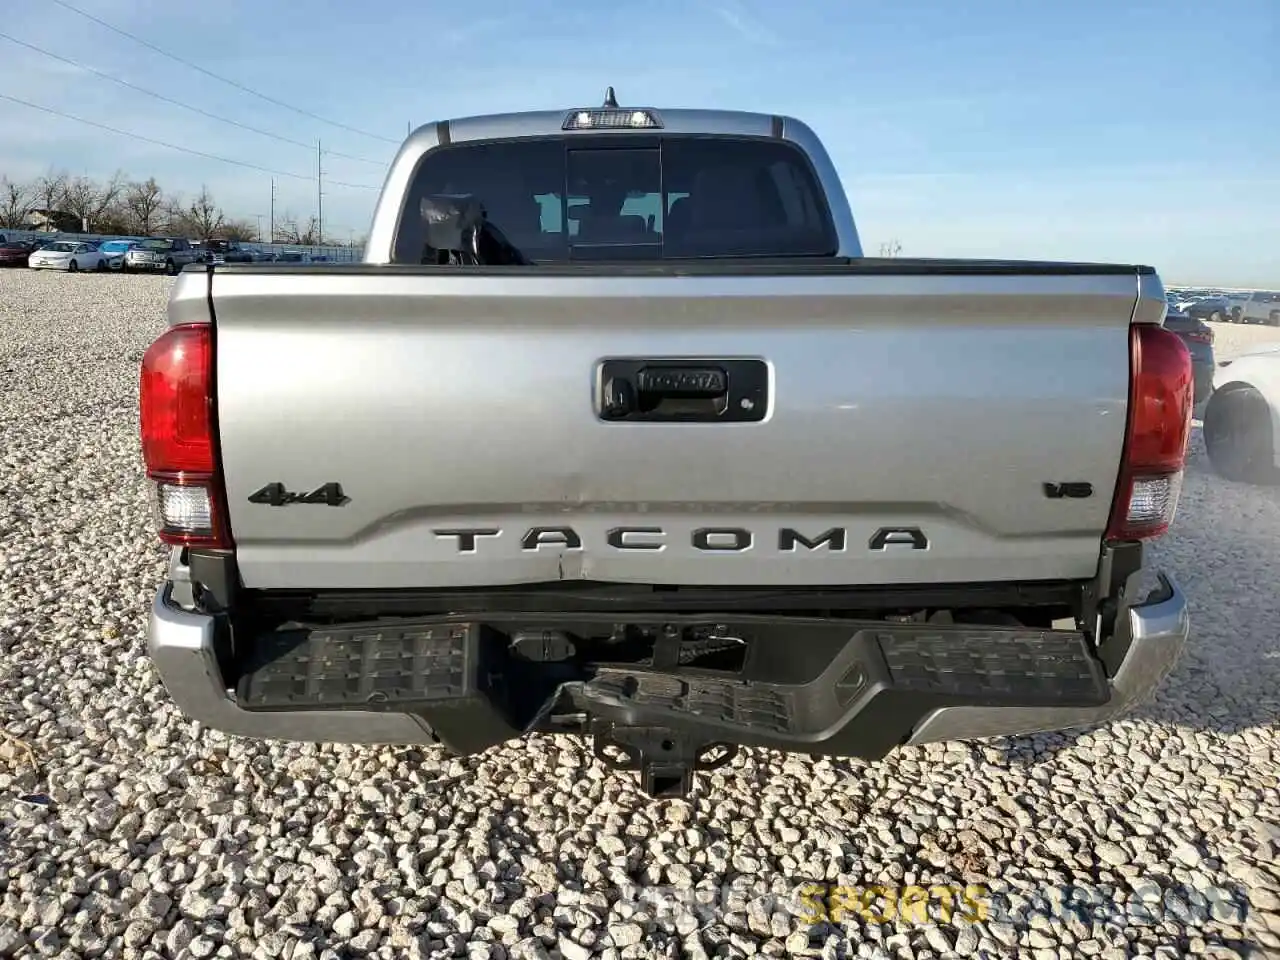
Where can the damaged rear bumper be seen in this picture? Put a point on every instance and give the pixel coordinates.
(868, 686)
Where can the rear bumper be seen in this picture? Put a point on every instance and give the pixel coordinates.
(181, 644)
(1158, 630)
(882, 709)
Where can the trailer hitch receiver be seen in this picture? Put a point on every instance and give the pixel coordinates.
(665, 758)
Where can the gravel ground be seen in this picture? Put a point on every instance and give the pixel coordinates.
(135, 834)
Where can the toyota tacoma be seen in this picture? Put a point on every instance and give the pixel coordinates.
(616, 432)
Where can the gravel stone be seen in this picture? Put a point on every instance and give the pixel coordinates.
(138, 834)
(11, 941)
(1113, 854)
(625, 934)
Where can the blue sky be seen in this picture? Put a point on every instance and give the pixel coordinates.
(1145, 131)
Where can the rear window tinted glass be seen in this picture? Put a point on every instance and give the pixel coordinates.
(632, 197)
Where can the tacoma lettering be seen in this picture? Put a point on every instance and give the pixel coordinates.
(466, 538)
(833, 538)
(704, 539)
(722, 539)
(887, 537)
(627, 538)
(550, 536)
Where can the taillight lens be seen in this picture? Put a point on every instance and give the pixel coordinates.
(1161, 395)
(179, 444)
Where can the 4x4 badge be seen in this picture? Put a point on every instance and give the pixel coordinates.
(275, 495)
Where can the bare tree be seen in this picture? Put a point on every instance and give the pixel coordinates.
(109, 195)
(50, 190)
(15, 202)
(88, 200)
(288, 230)
(173, 217)
(240, 230)
(204, 217)
(120, 206)
(143, 202)
(891, 248)
(115, 220)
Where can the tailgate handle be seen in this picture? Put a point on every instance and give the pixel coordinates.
(708, 390)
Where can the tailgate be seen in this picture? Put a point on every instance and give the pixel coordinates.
(911, 424)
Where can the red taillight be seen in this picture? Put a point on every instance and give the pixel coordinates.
(1201, 336)
(1161, 395)
(179, 444)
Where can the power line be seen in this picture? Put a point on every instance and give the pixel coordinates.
(179, 103)
(353, 186)
(215, 76)
(174, 146)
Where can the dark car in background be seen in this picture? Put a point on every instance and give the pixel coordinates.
(14, 253)
(1215, 308)
(220, 250)
(1198, 336)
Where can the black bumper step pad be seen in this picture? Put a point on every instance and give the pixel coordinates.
(883, 671)
(1031, 667)
(375, 667)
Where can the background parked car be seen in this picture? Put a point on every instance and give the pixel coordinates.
(1214, 308)
(1198, 336)
(219, 250)
(14, 253)
(1257, 307)
(1240, 422)
(169, 254)
(116, 252)
(69, 255)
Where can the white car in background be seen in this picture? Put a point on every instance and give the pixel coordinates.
(1261, 306)
(69, 255)
(1242, 419)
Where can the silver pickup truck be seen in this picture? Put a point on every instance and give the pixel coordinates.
(616, 432)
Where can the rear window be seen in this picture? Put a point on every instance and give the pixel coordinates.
(632, 197)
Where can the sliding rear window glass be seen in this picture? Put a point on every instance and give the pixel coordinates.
(632, 197)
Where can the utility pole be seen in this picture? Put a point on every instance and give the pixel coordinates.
(259, 216)
(273, 210)
(319, 197)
